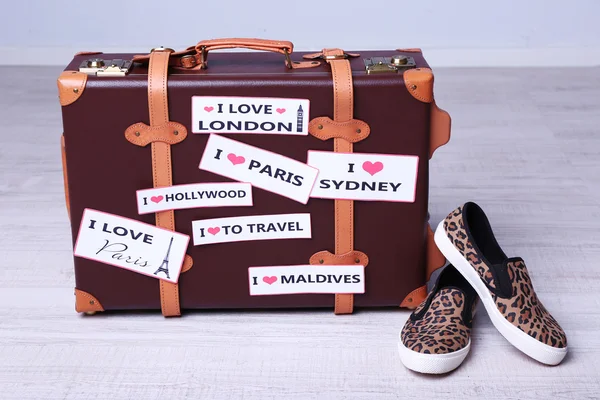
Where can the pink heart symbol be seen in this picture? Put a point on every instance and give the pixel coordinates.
(269, 279)
(372, 168)
(157, 199)
(214, 231)
(208, 109)
(235, 160)
(280, 110)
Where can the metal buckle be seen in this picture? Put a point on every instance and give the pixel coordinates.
(161, 48)
(335, 57)
(203, 57)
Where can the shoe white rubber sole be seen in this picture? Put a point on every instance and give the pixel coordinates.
(522, 341)
(432, 363)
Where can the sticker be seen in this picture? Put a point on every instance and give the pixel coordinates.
(130, 244)
(261, 168)
(255, 227)
(364, 176)
(296, 279)
(194, 196)
(250, 115)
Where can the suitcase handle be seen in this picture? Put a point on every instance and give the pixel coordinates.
(283, 47)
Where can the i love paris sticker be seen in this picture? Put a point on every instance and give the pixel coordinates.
(132, 245)
(261, 168)
(364, 176)
(250, 115)
(302, 279)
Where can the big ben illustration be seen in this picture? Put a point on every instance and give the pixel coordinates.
(299, 119)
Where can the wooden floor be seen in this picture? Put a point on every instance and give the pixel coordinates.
(526, 146)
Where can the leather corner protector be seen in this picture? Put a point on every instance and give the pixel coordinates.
(350, 258)
(188, 263)
(85, 302)
(435, 258)
(414, 298)
(325, 128)
(87, 53)
(419, 82)
(65, 174)
(439, 126)
(70, 86)
(141, 134)
(410, 50)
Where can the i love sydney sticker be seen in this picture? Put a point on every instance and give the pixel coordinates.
(130, 244)
(296, 279)
(261, 168)
(255, 227)
(193, 196)
(364, 176)
(251, 115)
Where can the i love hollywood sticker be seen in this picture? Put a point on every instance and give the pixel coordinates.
(261, 168)
(364, 176)
(129, 244)
(302, 279)
(250, 115)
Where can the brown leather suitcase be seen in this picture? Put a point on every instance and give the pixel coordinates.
(129, 126)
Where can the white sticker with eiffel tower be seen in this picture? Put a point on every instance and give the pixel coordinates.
(130, 244)
(250, 115)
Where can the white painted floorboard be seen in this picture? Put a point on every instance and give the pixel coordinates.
(526, 146)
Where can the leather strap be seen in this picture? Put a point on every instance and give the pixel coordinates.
(161, 163)
(343, 106)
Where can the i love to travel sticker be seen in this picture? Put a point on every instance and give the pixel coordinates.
(251, 115)
(364, 176)
(130, 244)
(226, 194)
(297, 279)
(261, 168)
(255, 227)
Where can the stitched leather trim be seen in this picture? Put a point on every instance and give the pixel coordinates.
(188, 263)
(65, 175)
(352, 131)
(70, 86)
(414, 298)
(439, 126)
(435, 258)
(419, 82)
(327, 258)
(141, 134)
(85, 302)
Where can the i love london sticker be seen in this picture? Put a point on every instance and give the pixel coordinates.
(132, 245)
(300, 279)
(250, 115)
(261, 168)
(255, 227)
(364, 176)
(226, 194)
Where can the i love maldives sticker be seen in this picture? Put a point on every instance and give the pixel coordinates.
(364, 176)
(250, 115)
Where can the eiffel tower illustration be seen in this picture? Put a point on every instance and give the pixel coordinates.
(164, 267)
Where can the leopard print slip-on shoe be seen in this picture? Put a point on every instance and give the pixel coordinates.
(437, 336)
(465, 237)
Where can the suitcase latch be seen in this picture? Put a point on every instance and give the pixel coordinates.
(100, 67)
(398, 63)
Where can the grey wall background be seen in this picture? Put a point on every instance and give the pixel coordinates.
(459, 32)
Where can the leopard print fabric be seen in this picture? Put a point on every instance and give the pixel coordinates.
(441, 329)
(455, 229)
(525, 310)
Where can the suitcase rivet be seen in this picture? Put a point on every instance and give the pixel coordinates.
(321, 261)
(358, 131)
(413, 87)
(320, 126)
(175, 133)
(137, 134)
(75, 90)
(357, 260)
(409, 299)
(92, 302)
(314, 62)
